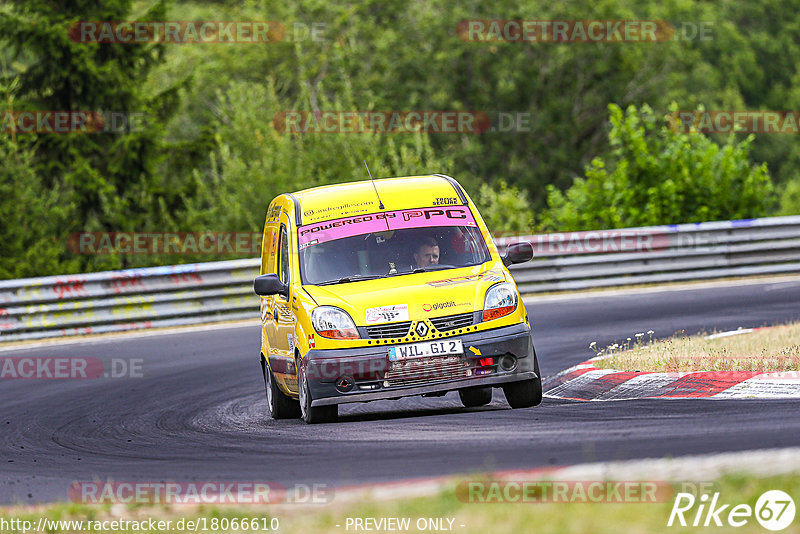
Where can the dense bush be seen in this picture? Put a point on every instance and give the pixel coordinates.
(657, 175)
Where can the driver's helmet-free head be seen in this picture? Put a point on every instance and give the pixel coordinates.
(426, 252)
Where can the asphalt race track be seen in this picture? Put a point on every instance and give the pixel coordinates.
(199, 412)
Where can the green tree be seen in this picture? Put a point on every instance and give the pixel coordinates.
(209, 157)
(255, 161)
(110, 178)
(505, 210)
(411, 56)
(790, 198)
(31, 235)
(655, 174)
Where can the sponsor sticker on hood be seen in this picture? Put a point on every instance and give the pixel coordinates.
(489, 276)
(387, 314)
(443, 305)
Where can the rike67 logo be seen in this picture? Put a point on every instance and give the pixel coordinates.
(774, 511)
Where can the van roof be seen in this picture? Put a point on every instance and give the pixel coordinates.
(344, 200)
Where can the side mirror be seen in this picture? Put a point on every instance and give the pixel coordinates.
(518, 253)
(270, 284)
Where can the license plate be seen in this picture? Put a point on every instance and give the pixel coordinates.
(427, 349)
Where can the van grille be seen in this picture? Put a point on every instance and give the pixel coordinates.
(451, 322)
(426, 370)
(383, 331)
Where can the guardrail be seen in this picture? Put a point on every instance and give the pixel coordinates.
(659, 254)
(127, 300)
(204, 292)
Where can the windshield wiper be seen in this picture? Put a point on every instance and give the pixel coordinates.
(351, 278)
(432, 267)
(428, 269)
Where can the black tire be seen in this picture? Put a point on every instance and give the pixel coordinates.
(309, 414)
(280, 405)
(525, 393)
(472, 397)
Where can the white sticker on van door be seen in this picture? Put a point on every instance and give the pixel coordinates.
(387, 314)
(290, 341)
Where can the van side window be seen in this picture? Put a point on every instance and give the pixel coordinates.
(269, 244)
(284, 258)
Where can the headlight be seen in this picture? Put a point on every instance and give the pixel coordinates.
(501, 299)
(333, 323)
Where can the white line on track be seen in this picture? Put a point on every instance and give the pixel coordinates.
(730, 333)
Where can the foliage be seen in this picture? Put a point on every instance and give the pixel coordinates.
(255, 161)
(505, 210)
(210, 158)
(30, 215)
(107, 180)
(790, 198)
(657, 175)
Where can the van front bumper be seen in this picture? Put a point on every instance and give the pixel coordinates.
(365, 370)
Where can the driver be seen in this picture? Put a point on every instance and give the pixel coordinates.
(427, 253)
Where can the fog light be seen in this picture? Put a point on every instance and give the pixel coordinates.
(344, 384)
(508, 363)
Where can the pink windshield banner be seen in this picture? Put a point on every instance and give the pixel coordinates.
(314, 234)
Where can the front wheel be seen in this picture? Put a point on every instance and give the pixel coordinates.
(525, 393)
(281, 406)
(311, 414)
(472, 397)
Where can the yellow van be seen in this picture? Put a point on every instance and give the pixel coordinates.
(384, 289)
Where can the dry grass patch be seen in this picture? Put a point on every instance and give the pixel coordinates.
(766, 350)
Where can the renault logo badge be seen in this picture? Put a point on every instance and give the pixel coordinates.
(422, 329)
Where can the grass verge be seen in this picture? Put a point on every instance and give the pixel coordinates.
(766, 350)
(467, 518)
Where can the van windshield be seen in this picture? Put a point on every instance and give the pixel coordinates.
(389, 244)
